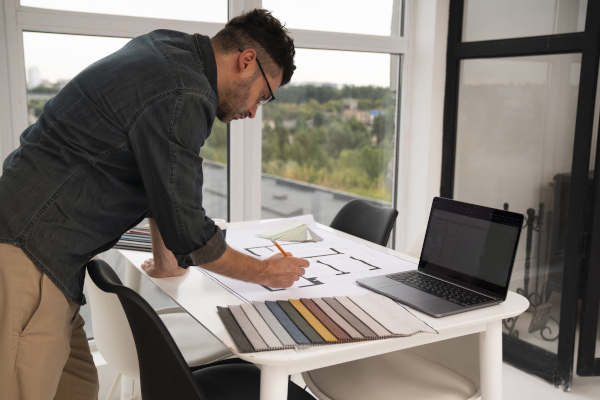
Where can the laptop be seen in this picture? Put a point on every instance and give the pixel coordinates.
(466, 262)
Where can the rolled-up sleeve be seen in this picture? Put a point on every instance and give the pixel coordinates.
(166, 139)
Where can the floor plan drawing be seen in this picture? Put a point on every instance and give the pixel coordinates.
(336, 263)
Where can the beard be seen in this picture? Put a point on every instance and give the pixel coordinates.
(235, 100)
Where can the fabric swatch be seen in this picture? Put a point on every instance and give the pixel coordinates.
(234, 330)
(295, 324)
(251, 333)
(360, 314)
(287, 323)
(348, 316)
(313, 321)
(325, 320)
(300, 322)
(278, 329)
(337, 318)
(392, 316)
(261, 326)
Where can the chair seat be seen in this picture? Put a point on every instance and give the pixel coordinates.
(389, 376)
(197, 345)
(238, 381)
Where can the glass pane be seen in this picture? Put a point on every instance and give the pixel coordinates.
(214, 167)
(377, 17)
(186, 10)
(51, 60)
(494, 19)
(516, 124)
(329, 137)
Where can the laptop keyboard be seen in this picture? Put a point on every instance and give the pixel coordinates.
(439, 288)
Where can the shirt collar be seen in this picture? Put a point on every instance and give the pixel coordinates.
(209, 62)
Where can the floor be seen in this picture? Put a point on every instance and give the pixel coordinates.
(519, 385)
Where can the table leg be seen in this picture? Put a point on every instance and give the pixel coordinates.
(490, 361)
(273, 383)
(133, 277)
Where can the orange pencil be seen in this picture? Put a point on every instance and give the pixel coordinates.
(280, 249)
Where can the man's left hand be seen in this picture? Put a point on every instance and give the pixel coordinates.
(164, 269)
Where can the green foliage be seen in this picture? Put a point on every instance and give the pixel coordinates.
(37, 105)
(46, 89)
(324, 94)
(306, 137)
(215, 147)
(346, 135)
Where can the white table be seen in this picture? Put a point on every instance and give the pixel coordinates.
(200, 296)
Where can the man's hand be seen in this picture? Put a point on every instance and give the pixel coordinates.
(276, 272)
(280, 271)
(162, 269)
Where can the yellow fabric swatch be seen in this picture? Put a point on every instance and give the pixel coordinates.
(313, 321)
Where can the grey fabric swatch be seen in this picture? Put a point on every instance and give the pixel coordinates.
(348, 316)
(287, 323)
(261, 326)
(392, 316)
(300, 322)
(337, 318)
(278, 329)
(360, 314)
(241, 341)
(251, 333)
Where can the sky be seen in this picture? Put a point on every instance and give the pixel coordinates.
(59, 57)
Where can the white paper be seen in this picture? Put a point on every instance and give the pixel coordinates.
(335, 263)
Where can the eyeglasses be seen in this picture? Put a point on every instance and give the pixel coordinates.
(272, 97)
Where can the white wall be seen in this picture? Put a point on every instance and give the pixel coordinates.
(421, 135)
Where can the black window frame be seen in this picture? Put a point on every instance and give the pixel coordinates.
(581, 260)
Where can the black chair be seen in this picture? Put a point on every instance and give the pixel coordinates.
(164, 373)
(366, 221)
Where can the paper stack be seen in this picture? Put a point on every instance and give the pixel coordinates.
(294, 231)
(135, 239)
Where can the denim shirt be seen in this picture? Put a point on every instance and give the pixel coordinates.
(121, 138)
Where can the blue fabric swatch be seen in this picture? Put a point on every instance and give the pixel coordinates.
(287, 323)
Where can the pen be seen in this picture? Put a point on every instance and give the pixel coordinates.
(280, 249)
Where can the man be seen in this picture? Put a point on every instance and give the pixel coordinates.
(122, 139)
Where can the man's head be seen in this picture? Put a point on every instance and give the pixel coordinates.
(248, 42)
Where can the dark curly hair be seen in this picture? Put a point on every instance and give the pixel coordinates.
(259, 30)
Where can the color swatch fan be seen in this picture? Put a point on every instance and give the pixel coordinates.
(290, 324)
(294, 231)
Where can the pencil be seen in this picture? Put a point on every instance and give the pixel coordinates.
(279, 247)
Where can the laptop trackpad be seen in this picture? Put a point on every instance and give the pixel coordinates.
(422, 300)
(408, 294)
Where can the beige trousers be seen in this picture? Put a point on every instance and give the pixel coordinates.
(44, 352)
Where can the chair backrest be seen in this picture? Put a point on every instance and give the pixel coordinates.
(366, 221)
(112, 333)
(164, 373)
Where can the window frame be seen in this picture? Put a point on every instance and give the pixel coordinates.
(244, 151)
(244, 137)
(557, 367)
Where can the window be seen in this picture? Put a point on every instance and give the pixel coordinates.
(52, 60)
(329, 137)
(38, 57)
(492, 19)
(186, 10)
(377, 17)
(516, 127)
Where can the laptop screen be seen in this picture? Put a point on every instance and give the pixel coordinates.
(474, 245)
